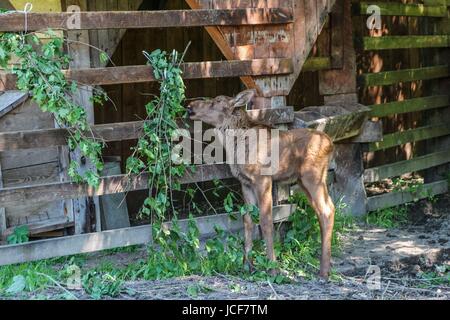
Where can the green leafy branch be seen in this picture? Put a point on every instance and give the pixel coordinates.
(38, 67)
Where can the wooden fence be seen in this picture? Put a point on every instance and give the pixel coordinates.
(23, 140)
(428, 107)
(274, 74)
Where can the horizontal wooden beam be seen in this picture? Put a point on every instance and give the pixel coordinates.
(317, 64)
(407, 75)
(401, 9)
(15, 22)
(119, 238)
(397, 198)
(413, 135)
(410, 105)
(191, 70)
(406, 166)
(108, 185)
(405, 42)
(31, 139)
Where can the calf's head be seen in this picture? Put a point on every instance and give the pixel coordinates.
(215, 111)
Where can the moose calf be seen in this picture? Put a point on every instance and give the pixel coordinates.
(304, 157)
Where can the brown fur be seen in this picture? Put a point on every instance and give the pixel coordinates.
(304, 157)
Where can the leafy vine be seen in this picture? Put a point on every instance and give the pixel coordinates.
(38, 67)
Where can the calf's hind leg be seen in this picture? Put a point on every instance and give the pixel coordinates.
(315, 188)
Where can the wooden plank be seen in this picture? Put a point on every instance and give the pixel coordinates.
(412, 135)
(92, 242)
(11, 99)
(337, 37)
(7, 81)
(193, 70)
(31, 175)
(30, 139)
(401, 9)
(393, 199)
(316, 64)
(81, 59)
(219, 39)
(14, 22)
(36, 228)
(372, 131)
(2, 211)
(113, 207)
(410, 105)
(271, 117)
(108, 185)
(406, 166)
(58, 137)
(342, 80)
(405, 42)
(407, 75)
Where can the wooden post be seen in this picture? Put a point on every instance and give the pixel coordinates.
(81, 59)
(339, 87)
(2, 211)
(442, 26)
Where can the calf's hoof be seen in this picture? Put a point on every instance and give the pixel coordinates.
(324, 275)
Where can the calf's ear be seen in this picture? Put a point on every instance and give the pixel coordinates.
(243, 98)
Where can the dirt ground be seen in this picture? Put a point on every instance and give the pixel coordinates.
(408, 258)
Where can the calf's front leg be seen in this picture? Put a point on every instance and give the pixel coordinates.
(265, 203)
(250, 199)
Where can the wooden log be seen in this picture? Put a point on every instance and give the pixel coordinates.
(412, 135)
(410, 105)
(407, 75)
(406, 166)
(119, 238)
(404, 42)
(393, 199)
(14, 22)
(401, 9)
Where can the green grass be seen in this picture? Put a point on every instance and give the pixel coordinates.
(298, 255)
(388, 218)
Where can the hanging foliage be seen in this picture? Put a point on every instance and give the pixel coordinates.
(38, 66)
